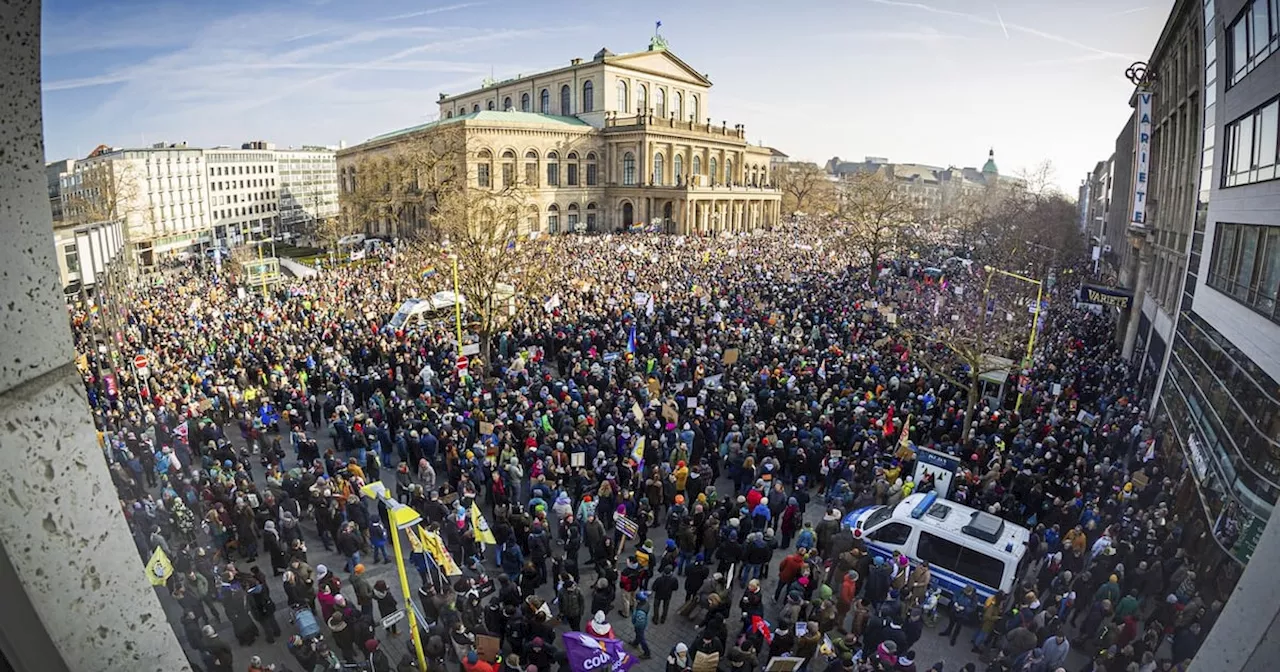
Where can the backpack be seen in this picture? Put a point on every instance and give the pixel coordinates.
(572, 603)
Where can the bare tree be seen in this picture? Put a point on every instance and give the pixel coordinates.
(403, 183)
(874, 215)
(979, 331)
(499, 268)
(108, 190)
(805, 188)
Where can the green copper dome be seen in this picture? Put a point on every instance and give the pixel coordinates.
(989, 168)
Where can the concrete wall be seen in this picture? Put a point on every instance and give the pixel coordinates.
(75, 593)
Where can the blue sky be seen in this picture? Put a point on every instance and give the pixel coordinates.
(933, 81)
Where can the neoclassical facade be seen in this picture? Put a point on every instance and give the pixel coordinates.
(614, 143)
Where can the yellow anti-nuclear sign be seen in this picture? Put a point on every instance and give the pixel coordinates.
(159, 569)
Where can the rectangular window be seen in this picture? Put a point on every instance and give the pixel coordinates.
(938, 551)
(553, 174)
(1246, 265)
(531, 174)
(508, 174)
(572, 174)
(573, 221)
(553, 223)
(482, 175)
(1251, 146)
(1239, 38)
(592, 178)
(980, 567)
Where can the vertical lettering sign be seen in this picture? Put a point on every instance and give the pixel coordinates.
(1141, 158)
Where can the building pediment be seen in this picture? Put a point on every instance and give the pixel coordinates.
(660, 62)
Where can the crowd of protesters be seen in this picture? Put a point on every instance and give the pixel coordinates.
(732, 398)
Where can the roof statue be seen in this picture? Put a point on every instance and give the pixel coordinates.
(989, 168)
(657, 42)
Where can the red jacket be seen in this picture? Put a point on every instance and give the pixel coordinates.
(789, 568)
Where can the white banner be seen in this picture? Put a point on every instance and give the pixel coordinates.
(1141, 158)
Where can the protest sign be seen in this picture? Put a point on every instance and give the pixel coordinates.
(586, 653)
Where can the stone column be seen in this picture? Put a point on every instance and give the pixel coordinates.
(75, 593)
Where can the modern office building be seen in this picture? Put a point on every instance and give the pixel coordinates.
(619, 141)
(308, 187)
(1219, 393)
(159, 193)
(243, 194)
(84, 252)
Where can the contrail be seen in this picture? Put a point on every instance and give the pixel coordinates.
(1002, 26)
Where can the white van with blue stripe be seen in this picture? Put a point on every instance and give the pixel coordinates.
(964, 546)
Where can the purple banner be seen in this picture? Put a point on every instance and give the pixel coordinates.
(588, 654)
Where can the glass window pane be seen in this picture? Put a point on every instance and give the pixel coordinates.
(980, 567)
(1269, 278)
(938, 551)
(1268, 120)
(1242, 149)
(1261, 29)
(1248, 253)
(1239, 46)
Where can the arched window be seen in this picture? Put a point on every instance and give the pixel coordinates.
(506, 104)
(591, 216)
(622, 97)
(629, 169)
(573, 218)
(697, 165)
(524, 103)
(566, 100)
(475, 109)
(571, 169)
(714, 173)
(677, 105)
(489, 106)
(593, 177)
(531, 168)
(728, 171)
(658, 166)
(484, 169)
(588, 96)
(660, 101)
(642, 99)
(508, 169)
(553, 218)
(532, 221)
(544, 102)
(450, 115)
(677, 166)
(693, 106)
(553, 169)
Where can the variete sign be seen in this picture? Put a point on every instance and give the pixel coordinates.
(1106, 296)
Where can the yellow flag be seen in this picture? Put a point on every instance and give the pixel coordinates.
(483, 533)
(435, 546)
(159, 569)
(415, 543)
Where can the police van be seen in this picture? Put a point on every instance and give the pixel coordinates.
(963, 546)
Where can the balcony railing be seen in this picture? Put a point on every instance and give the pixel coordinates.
(640, 120)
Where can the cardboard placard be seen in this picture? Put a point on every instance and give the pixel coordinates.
(669, 412)
(706, 662)
(692, 402)
(655, 388)
(784, 664)
(577, 459)
(488, 647)
(486, 428)
(731, 356)
(637, 412)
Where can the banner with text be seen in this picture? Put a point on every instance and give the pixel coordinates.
(1106, 296)
(588, 654)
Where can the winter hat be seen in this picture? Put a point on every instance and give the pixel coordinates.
(599, 625)
(207, 631)
(472, 657)
(359, 569)
(321, 571)
(371, 645)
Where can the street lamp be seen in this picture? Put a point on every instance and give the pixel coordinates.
(402, 518)
(1035, 320)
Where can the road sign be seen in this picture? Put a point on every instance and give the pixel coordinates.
(462, 362)
(140, 362)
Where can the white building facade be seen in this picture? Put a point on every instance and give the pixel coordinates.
(243, 194)
(308, 186)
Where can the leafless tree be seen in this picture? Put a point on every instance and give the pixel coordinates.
(874, 216)
(805, 188)
(979, 331)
